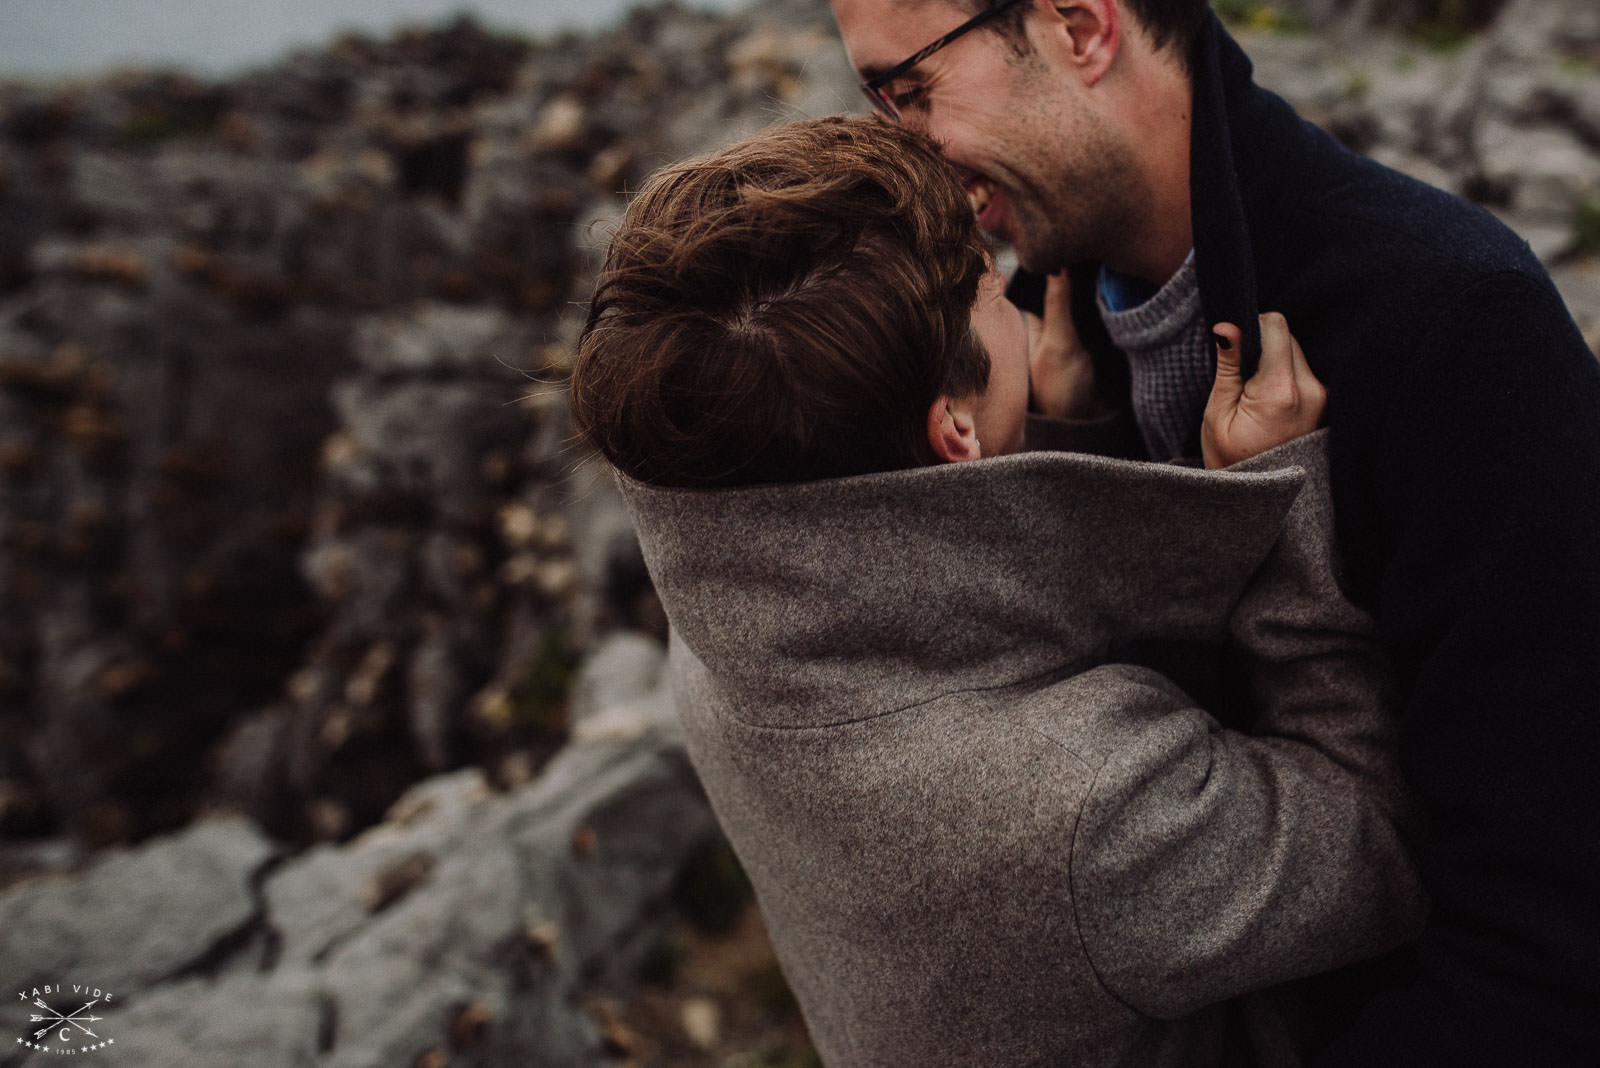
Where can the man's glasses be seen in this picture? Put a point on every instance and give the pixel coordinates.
(876, 88)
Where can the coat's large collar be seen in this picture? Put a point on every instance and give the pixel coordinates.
(1223, 258)
(1239, 138)
(833, 600)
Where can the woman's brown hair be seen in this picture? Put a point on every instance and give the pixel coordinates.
(785, 309)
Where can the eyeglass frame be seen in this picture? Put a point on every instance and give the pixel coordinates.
(873, 87)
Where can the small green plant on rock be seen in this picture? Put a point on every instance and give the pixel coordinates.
(187, 116)
(1357, 83)
(1446, 25)
(1256, 15)
(775, 1055)
(1586, 227)
(539, 701)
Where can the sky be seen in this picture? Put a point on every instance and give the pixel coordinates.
(49, 38)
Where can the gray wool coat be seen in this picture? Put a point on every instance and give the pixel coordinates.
(975, 841)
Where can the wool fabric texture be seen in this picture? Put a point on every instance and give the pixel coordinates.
(975, 841)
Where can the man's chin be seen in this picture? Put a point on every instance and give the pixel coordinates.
(999, 222)
(1033, 262)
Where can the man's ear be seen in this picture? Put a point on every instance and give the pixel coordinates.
(951, 431)
(1088, 32)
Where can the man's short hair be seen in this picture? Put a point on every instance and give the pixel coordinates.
(1173, 24)
(1170, 24)
(785, 309)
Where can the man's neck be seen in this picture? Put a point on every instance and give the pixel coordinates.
(1157, 118)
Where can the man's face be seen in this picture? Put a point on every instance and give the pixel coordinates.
(1044, 170)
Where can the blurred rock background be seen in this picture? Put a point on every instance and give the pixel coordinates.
(329, 722)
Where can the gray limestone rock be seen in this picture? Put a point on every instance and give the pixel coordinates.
(624, 667)
(281, 1020)
(319, 899)
(468, 921)
(444, 340)
(138, 917)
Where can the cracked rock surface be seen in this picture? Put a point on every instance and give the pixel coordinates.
(137, 917)
(471, 922)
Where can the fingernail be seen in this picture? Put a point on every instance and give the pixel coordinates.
(1222, 341)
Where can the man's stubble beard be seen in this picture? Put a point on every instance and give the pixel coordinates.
(1088, 198)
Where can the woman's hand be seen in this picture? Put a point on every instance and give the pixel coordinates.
(1060, 370)
(1280, 402)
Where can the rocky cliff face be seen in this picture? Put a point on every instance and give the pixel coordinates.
(291, 522)
(469, 926)
(288, 513)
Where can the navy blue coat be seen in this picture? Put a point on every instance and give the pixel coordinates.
(1465, 415)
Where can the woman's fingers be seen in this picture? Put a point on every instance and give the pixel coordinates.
(1282, 400)
(1060, 370)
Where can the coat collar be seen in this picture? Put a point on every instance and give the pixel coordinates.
(1239, 138)
(1223, 258)
(828, 601)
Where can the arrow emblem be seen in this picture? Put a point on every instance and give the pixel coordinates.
(56, 1018)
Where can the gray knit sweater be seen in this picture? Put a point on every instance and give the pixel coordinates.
(1170, 362)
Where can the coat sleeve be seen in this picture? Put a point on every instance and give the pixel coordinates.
(1208, 862)
(1485, 495)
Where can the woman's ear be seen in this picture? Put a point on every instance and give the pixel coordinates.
(951, 431)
